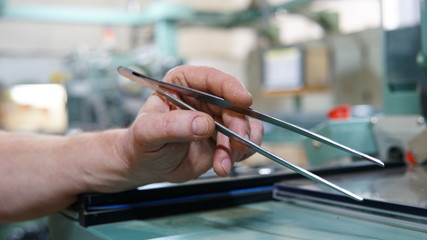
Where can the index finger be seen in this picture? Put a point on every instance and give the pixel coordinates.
(213, 81)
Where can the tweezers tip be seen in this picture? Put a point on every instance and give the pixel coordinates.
(378, 162)
(354, 196)
(121, 68)
(359, 199)
(374, 160)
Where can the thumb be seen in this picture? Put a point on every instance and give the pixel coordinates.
(154, 130)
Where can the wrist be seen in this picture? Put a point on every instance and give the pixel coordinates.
(111, 165)
(94, 159)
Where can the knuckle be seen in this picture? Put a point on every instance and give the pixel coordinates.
(169, 125)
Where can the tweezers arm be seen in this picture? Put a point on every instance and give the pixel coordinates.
(227, 132)
(294, 128)
(202, 96)
(283, 162)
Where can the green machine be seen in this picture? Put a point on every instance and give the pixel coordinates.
(397, 133)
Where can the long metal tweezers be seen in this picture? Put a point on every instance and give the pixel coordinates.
(160, 87)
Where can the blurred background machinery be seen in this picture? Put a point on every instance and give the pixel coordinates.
(315, 63)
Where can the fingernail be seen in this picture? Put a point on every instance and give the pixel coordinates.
(200, 126)
(226, 166)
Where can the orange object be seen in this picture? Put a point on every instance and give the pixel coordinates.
(340, 112)
(410, 158)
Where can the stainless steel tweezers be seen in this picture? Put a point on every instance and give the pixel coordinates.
(161, 87)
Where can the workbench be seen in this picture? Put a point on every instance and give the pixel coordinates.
(263, 220)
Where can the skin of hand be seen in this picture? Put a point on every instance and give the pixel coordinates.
(179, 145)
(47, 173)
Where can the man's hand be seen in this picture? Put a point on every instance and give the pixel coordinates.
(168, 144)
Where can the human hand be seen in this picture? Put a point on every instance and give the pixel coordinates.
(168, 144)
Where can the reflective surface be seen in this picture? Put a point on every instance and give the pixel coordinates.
(263, 220)
(407, 186)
